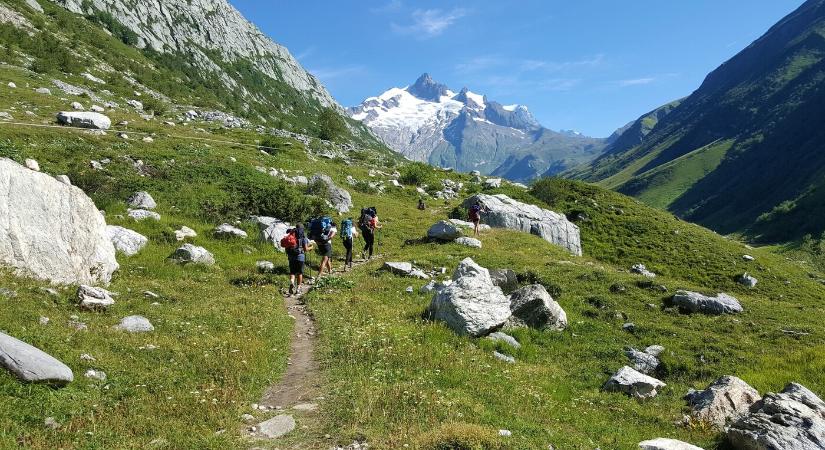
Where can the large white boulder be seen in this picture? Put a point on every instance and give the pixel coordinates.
(51, 230)
(338, 197)
(126, 241)
(30, 364)
(726, 400)
(502, 211)
(695, 302)
(471, 304)
(82, 119)
(633, 383)
(792, 419)
(532, 306)
(271, 230)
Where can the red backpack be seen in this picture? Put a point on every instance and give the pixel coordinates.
(290, 241)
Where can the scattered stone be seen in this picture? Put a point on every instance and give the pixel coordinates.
(5, 116)
(248, 418)
(192, 254)
(265, 266)
(87, 357)
(472, 304)
(44, 91)
(748, 257)
(44, 320)
(185, 232)
(746, 280)
(31, 364)
(405, 269)
(502, 211)
(633, 383)
(91, 120)
(409, 290)
(12, 85)
(228, 231)
(642, 361)
(32, 165)
(666, 444)
(126, 241)
(468, 242)
(654, 350)
(97, 108)
(492, 183)
(77, 106)
(51, 423)
(276, 427)
(692, 302)
(792, 419)
(725, 401)
(143, 214)
(7, 293)
(532, 306)
(503, 357)
(148, 139)
(135, 104)
(505, 433)
(94, 298)
(498, 336)
(307, 407)
(642, 270)
(97, 375)
(50, 230)
(151, 295)
(629, 327)
(135, 324)
(444, 231)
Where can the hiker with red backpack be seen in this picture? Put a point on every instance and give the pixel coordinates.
(296, 246)
(475, 215)
(369, 225)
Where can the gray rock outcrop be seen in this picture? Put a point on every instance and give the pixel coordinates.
(185, 232)
(471, 304)
(271, 230)
(339, 197)
(404, 269)
(644, 362)
(693, 302)
(532, 306)
(135, 324)
(444, 231)
(642, 270)
(792, 419)
(726, 400)
(506, 279)
(192, 254)
(504, 212)
(746, 279)
(126, 241)
(30, 364)
(141, 200)
(92, 298)
(633, 383)
(80, 119)
(51, 230)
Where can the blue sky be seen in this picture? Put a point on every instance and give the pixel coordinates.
(587, 65)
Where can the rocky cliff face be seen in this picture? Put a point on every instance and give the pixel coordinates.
(196, 27)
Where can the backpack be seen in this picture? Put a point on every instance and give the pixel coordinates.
(290, 240)
(475, 212)
(319, 226)
(367, 214)
(346, 229)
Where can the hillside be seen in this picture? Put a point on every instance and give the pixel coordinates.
(186, 55)
(740, 154)
(428, 122)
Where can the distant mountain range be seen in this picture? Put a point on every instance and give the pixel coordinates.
(426, 121)
(746, 151)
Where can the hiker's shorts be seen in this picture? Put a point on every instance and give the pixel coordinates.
(296, 266)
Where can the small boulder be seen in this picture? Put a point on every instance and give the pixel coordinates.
(666, 444)
(492, 183)
(32, 164)
(533, 306)
(693, 302)
(135, 324)
(141, 200)
(339, 197)
(404, 269)
(265, 266)
(472, 304)
(506, 279)
(642, 270)
(142, 214)
(642, 361)
(192, 254)
(633, 383)
(746, 280)
(276, 427)
(185, 232)
(444, 231)
(748, 257)
(792, 419)
(97, 108)
(96, 375)
(468, 242)
(31, 364)
(725, 401)
(126, 241)
(44, 91)
(504, 358)
(78, 119)
(94, 298)
(226, 231)
(498, 336)
(77, 106)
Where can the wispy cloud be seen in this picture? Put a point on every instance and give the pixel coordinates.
(390, 6)
(636, 81)
(306, 53)
(327, 74)
(428, 23)
(486, 62)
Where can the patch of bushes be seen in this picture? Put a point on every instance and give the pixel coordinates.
(460, 436)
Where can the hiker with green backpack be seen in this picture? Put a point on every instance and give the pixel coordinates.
(348, 234)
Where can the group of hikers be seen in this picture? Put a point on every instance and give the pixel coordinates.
(298, 243)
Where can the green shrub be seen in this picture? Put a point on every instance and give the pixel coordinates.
(460, 436)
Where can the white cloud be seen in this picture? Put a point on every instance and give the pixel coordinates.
(327, 74)
(636, 81)
(428, 23)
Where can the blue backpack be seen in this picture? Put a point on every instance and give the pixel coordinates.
(346, 229)
(319, 226)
